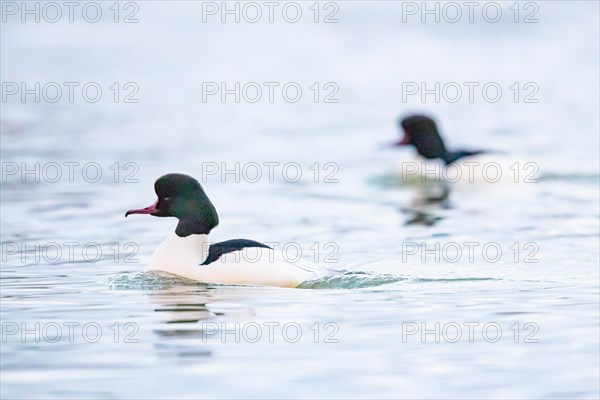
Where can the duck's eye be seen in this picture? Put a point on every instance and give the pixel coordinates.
(167, 199)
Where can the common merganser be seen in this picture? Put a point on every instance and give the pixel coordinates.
(436, 164)
(422, 133)
(188, 252)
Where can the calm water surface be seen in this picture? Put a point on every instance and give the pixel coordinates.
(391, 321)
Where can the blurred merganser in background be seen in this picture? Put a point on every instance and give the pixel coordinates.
(422, 133)
(188, 253)
(437, 164)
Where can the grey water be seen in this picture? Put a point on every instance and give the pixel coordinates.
(407, 311)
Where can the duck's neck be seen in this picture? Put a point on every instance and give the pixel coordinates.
(178, 252)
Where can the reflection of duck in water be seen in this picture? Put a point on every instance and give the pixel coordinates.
(185, 303)
(187, 252)
(189, 317)
(426, 201)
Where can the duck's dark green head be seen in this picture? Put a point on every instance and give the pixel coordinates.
(421, 132)
(182, 197)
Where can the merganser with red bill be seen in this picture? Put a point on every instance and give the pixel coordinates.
(188, 252)
(421, 132)
(434, 163)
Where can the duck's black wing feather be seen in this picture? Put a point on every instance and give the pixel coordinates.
(453, 156)
(215, 251)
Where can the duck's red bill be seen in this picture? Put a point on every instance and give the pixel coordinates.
(146, 210)
(403, 142)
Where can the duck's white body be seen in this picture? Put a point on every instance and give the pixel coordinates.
(183, 256)
(479, 169)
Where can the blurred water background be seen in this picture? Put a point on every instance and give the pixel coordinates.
(368, 57)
